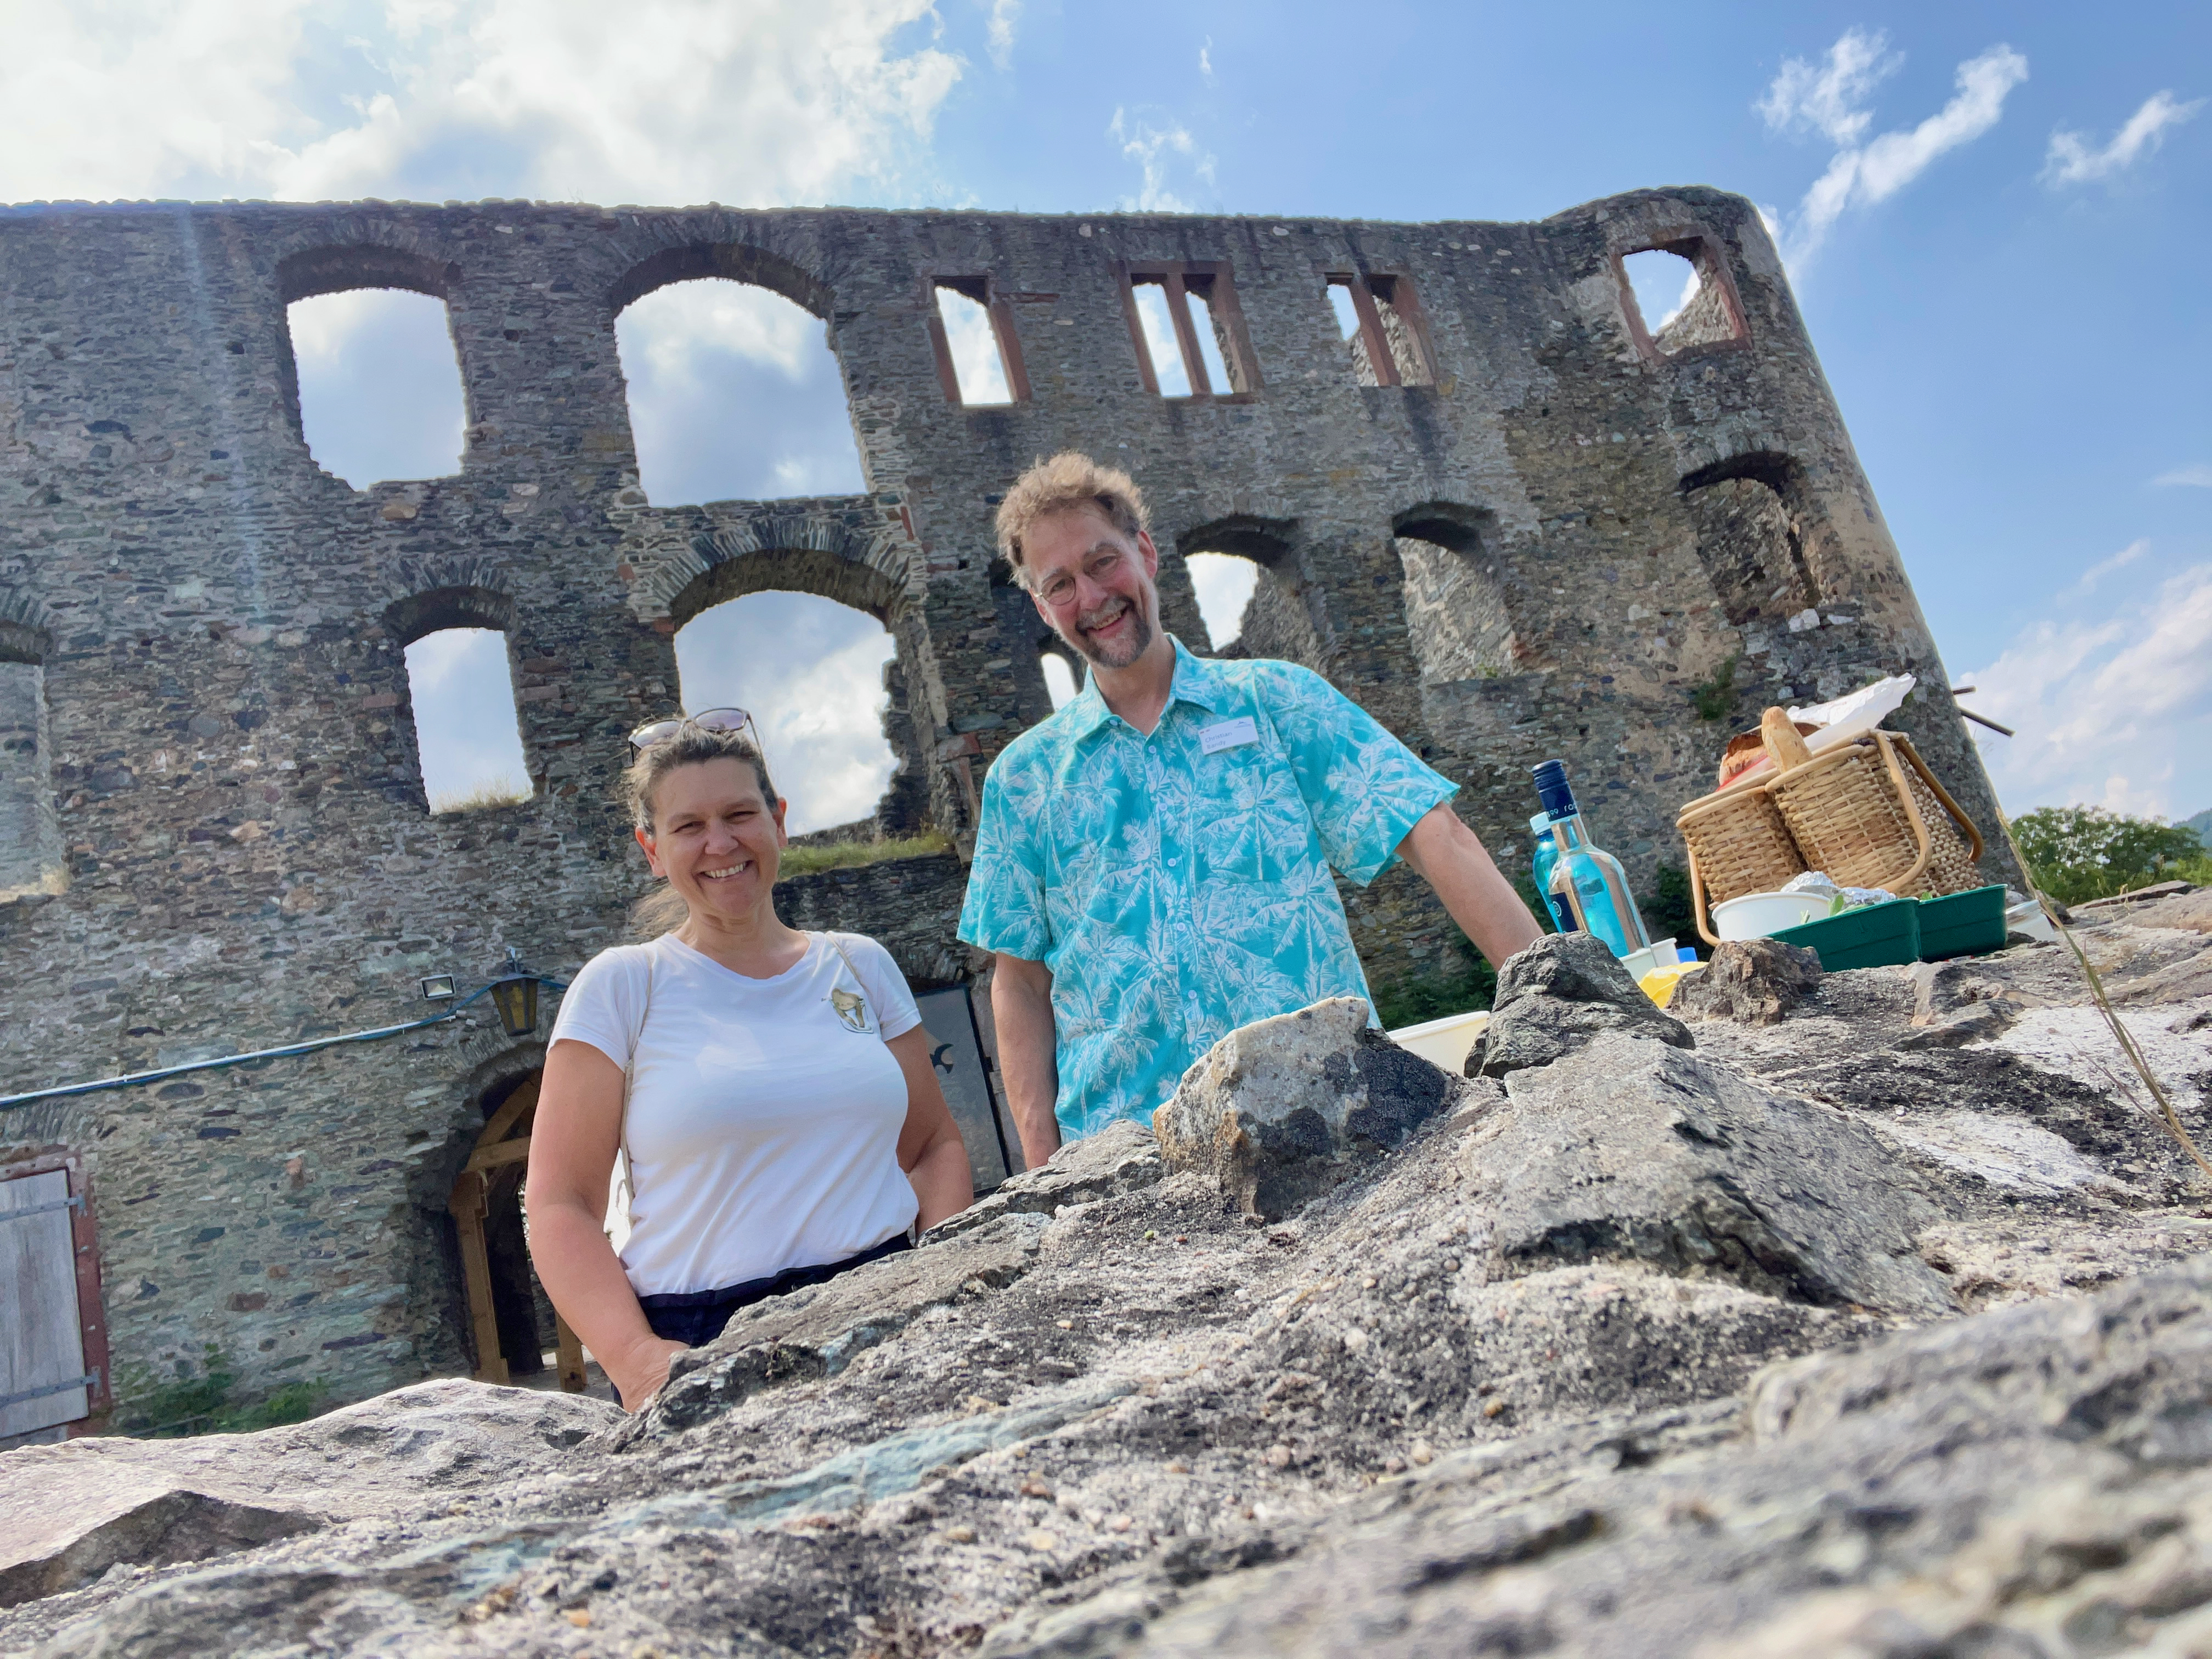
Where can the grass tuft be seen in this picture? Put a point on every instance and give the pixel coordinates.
(484, 795)
(846, 856)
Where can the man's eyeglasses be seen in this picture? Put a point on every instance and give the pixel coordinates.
(706, 720)
(1101, 567)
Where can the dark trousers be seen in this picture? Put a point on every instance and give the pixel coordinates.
(695, 1318)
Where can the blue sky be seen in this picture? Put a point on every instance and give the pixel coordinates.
(2003, 271)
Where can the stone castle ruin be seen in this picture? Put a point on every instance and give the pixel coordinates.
(1509, 519)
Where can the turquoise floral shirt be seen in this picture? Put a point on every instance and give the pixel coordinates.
(1177, 885)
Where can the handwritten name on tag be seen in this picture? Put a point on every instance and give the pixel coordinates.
(1229, 734)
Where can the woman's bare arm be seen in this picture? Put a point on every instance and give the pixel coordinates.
(573, 1140)
(930, 1149)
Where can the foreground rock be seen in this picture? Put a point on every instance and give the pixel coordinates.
(1279, 1111)
(1630, 1147)
(1638, 1352)
(1560, 992)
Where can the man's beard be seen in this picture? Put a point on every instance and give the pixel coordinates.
(1134, 643)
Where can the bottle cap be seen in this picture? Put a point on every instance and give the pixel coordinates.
(1553, 790)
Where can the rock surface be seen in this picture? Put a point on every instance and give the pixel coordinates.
(1803, 1342)
(1754, 981)
(1558, 994)
(1279, 1111)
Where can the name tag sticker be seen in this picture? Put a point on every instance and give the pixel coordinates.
(1229, 734)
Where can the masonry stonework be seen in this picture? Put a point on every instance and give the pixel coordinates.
(1550, 547)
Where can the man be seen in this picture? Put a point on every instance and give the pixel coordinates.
(1152, 868)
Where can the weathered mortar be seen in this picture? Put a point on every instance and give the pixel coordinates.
(220, 623)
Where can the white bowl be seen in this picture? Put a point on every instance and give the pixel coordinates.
(1761, 916)
(1443, 1042)
(1659, 953)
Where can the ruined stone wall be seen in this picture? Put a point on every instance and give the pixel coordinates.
(218, 626)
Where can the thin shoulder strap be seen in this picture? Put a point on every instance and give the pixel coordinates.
(626, 1188)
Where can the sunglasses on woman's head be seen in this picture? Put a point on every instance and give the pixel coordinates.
(706, 720)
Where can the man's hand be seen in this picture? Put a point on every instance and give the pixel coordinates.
(1446, 855)
(1021, 1007)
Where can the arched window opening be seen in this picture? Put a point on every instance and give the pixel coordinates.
(1752, 551)
(30, 827)
(973, 342)
(1225, 584)
(1059, 682)
(734, 395)
(380, 392)
(1455, 610)
(814, 675)
(1677, 303)
(466, 729)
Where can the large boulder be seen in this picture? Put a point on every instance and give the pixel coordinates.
(1631, 1148)
(1558, 994)
(1119, 1159)
(1279, 1111)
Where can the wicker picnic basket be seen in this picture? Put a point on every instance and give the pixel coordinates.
(1868, 814)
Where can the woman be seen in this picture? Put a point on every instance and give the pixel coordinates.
(771, 1090)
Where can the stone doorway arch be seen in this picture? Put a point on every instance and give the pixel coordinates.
(486, 1203)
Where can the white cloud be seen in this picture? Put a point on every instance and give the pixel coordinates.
(462, 688)
(1205, 60)
(2072, 160)
(1827, 101)
(2199, 475)
(2104, 567)
(687, 100)
(999, 32)
(2115, 711)
(1154, 149)
(811, 672)
(1223, 583)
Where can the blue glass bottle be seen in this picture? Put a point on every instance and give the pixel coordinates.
(1583, 883)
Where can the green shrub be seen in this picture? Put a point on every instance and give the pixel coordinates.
(1717, 696)
(192, 1405)
(2081, 852)
(1667, 913)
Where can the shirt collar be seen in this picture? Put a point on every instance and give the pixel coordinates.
(1196, 681)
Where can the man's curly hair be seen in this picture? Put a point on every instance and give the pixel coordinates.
(1068, 480)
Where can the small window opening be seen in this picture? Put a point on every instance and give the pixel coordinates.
(1675, 302)
(1167, 366)
(466, 730)
(973, 358)
(814, 675)
(1188, 330)
(734, 395)
(1224, 583)
(30, 827)
(1059, 678)
(380, 393)
(1381, 322)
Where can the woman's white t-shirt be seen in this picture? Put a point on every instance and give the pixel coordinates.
(764, 1114)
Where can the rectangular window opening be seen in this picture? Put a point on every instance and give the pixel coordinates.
(1382, 324)
(466, 729)
(976, 355)
(1676, 298)
(1188, 330)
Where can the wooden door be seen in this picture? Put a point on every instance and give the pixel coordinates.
(43, 1378)
(505, 1142)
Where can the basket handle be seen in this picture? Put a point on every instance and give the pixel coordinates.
(1943, 795)
(1698, 900)
(1883, 741)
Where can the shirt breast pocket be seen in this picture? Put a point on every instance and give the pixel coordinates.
(1249, 821)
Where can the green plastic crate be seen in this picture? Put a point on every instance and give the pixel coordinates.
(1873, 936)
(1963, 924)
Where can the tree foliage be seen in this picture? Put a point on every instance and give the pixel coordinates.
(2080, 853)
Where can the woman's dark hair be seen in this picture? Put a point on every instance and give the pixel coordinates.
(663, 908)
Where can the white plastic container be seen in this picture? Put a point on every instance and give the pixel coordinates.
(1760, 915)
(1443, 1042)
(2029, 919)
(1659, 953)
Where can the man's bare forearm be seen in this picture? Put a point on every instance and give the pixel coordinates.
(1021, 1007)
(1453, 861)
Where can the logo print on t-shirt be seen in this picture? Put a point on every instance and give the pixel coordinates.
(850, 1008)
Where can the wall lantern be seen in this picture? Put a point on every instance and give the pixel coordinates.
(515, 996)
